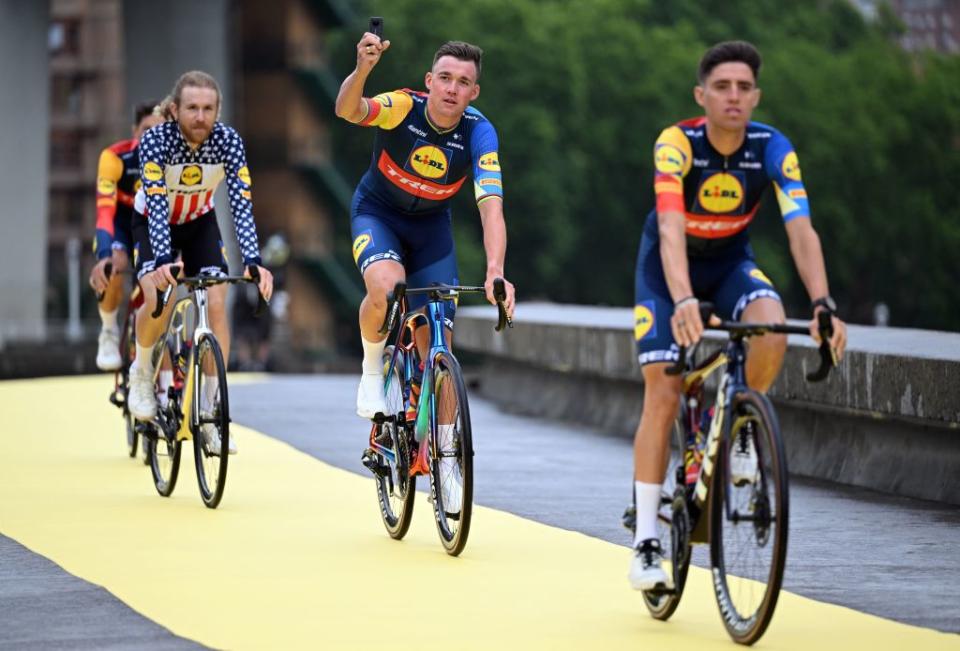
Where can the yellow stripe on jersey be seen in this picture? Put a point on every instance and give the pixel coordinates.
(672, 153)
(386, 110)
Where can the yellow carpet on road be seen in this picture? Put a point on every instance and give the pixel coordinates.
(296, 557)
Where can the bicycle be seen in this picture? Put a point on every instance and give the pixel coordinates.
(438, 441)
(121, 377)
(743, 519)
(196, 359)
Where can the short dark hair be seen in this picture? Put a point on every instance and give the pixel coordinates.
(726, 52)
(460, 50)
(142, 110)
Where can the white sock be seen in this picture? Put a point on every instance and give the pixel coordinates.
(373, 356)
(648, 503)
(109, 319)
(211, 383)
(144, 360)
(164, 379)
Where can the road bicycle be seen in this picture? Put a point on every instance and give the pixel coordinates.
(199, 369)
(437, 441)
(742, 516)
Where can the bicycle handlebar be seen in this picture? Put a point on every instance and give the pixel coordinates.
(400, 290)
(828, 357)
(163, 296)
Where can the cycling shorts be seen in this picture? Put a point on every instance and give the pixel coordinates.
(122, 230)
(730, 280)
(423, 244)
(198, 242)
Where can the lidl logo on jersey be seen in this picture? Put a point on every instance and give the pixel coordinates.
(244, 175)
(191, 175)
(759, 275)
(791, 166)
(106, 186)
(152, 171)
(721, 193)
(429, 161)
(644, 321)
(363, 240)
(490, 162)
(668, 159)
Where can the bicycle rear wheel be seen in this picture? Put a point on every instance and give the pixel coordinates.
(395, 487)
(673, 528)
(451, 458)
(210, 420)
(749, 521)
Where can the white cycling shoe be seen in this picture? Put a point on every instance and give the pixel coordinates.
(141, 399)
(211, 437)
(370, 396)
(743, 460)
(108, 350)
(646, 567)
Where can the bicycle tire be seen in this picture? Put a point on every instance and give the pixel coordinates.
(453, 524)
(395, 491)
(164, 456)
(738, 574)
(211, 467)
(673, 527)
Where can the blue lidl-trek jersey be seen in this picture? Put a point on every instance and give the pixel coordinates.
(417, 167)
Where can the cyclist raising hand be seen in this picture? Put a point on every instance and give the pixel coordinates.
(426, 145)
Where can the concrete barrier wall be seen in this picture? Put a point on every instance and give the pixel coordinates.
(888, 418)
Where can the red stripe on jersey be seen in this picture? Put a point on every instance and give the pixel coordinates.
(712, 227)
(373, 110)
(124, 198)
(692, 122)
(176, 213)
(194, 202)
(415, 185)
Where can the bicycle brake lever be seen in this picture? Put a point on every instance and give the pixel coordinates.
(500, 295)
(680, 365)
(164, 295)
(828, 357)
(394, 299)
(107, 271)
(262, 303)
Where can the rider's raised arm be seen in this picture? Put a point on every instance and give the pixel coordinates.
(351, 105)
(673, 157)
(237, 176)
(109, 173)
(153, 156)
(386, 110)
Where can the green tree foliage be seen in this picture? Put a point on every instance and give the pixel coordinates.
(579, 91)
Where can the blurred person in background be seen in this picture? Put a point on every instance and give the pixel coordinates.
(251, 332)
(118, 179)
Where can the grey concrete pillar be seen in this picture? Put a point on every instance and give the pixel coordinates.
(24, 147)
(189, 35)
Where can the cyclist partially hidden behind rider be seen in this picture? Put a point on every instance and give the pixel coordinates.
(710, 174)
(426, 145)
(118, 179)
(182, 161)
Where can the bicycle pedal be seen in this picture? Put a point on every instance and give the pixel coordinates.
(629, 519)
(116, 399)
(371, 462)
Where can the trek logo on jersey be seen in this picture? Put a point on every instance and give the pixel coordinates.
(156, 190)
(644, 320)
(429, 161)
(668, 159)
(244, 175)
(489, 162)
(152, 171)
(791, 167)
(759, 275)
(106, 186)
(191, 175)
(721, 193)
(363, 240)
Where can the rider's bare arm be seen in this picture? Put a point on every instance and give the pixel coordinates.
(350, 103)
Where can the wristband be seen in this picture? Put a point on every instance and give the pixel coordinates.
(684, 300)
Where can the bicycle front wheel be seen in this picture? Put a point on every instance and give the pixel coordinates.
(129, 351)
(451, 458)
(395, 487)
(163, 453)
(210, 420)
(749, 518)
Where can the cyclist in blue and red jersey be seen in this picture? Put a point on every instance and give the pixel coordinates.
(710, 174)
(182, 162)
(426, 145)
(118, 178)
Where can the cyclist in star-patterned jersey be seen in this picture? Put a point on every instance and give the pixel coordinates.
(182, 162)
(118, 178)
(426, 145)
(710, 175)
